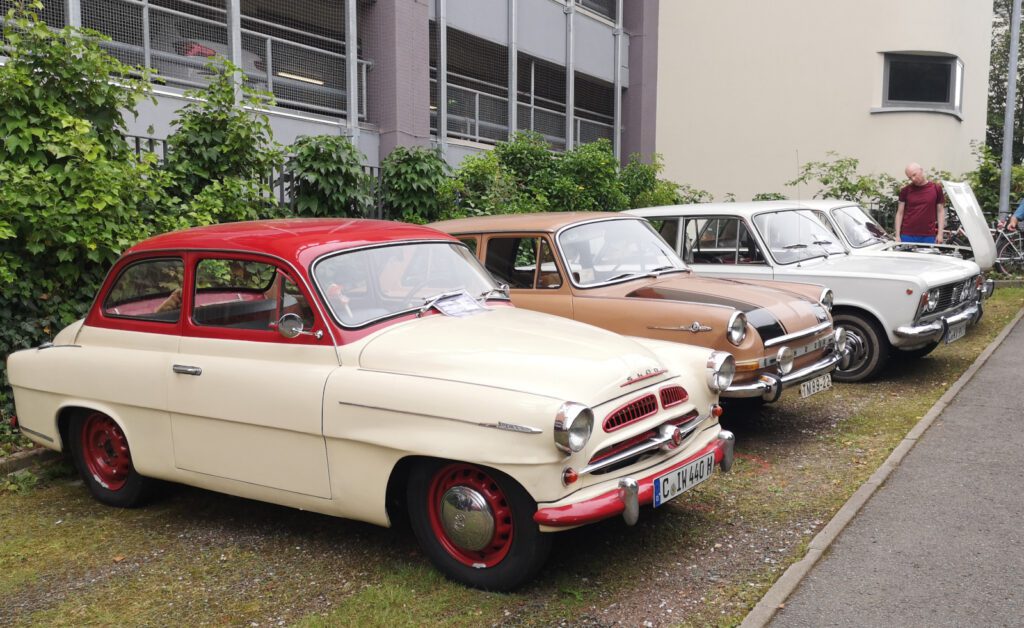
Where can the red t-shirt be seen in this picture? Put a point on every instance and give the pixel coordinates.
(919, 214)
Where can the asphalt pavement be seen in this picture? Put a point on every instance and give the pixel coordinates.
(941, 542)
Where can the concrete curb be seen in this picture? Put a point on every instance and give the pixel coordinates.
(22, 459)
(776, 596)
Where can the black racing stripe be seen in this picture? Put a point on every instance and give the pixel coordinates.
(766, 324)
(761, 319)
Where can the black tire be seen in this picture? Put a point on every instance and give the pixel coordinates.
(873, 340)
(103, 459)
(913, 354)
(516, 550)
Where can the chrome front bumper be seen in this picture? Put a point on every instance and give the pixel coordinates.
(937, 328)
(769, 387)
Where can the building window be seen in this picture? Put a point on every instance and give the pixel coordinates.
(928, 81)
(605, 8)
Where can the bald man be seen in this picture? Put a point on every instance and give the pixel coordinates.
(921, 213)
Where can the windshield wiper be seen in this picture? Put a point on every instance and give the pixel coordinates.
(790, 247)
(431, 302)
(821, 242)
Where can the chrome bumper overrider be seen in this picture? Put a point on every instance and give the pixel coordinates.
(937, 328)
(629, 490)
(769, 387)
(988, 288)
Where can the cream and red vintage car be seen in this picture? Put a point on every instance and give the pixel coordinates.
(615, 272)
(355, 367)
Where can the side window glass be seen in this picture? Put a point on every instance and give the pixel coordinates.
(243, 294)
(691, 228)
(749, 251)
(667, 229)
(148, 290)
(718, 242)
(548, 278)
(512, 260)
(470, 242)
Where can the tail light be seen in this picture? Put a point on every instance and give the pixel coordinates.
(193, 49)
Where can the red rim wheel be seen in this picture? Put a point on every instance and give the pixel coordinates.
(470, 515)
(105, 451)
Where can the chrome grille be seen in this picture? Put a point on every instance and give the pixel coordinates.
(953, 294)
(633, 411)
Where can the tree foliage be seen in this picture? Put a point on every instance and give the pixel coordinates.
(838, 178)
(72, 194)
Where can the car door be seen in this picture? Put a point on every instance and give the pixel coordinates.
(527, 264)
(246, 403)
(722, 246)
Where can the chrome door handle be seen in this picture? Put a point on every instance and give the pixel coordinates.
(187, 370)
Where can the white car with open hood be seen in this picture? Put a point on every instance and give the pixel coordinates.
(353, 368)
(889, 302)
(863, 235)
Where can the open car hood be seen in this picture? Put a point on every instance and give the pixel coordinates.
(973, 221)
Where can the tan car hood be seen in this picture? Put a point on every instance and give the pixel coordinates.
(771, 311)
(514, 349)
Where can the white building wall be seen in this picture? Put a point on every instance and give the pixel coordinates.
(748, 91)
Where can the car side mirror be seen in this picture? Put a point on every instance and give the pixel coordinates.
(290, 326)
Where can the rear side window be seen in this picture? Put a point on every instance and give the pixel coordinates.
(244, 294)
(147, 290)
(523, 262)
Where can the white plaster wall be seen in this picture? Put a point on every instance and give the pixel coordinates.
(749, 90)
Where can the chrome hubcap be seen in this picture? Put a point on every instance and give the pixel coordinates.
(856, 351)
(467, 519)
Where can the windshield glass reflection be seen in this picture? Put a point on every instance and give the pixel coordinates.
(794, 236)
(613, 250)
(859, 228)
(365, 285)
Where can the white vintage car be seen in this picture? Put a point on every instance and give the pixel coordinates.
(353, 368)
(889, 302)
(864, 236)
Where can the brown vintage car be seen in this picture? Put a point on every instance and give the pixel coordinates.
(616, 272)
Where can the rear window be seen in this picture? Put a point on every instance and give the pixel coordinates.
(147, 290)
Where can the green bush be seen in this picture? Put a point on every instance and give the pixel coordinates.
(588, 180)
(411, 179)
(72, 194)
(644, 188)
(328, 177)
(216, 137)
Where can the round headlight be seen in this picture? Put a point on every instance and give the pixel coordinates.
(573, 425)
(933, 299)
(721, 369)
(840, 335)
(826, 299)
(785, 359)
(737, 331)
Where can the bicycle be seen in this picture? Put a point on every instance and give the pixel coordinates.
(1009, 250)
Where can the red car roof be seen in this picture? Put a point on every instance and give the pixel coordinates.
(299, 240)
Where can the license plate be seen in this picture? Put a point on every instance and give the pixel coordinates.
(956, 332)
(816, 385)
(675, 483)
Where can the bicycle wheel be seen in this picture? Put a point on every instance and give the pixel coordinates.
(1010, 253)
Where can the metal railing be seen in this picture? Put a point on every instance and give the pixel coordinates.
(482, 116)
(178, 45)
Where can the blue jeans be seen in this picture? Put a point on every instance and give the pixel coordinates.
(918, 239)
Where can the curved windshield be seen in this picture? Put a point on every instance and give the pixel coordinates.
(611, 250)
(859, 228)
(364, 285)
(796, 235)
